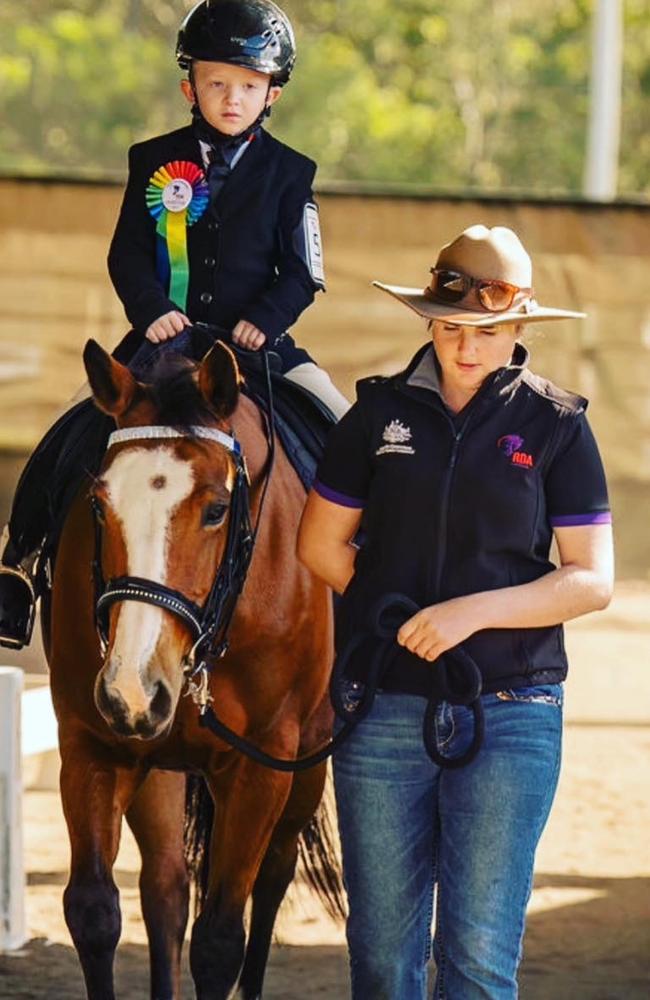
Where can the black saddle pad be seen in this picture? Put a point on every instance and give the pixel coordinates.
(302, 420)
(71, 450)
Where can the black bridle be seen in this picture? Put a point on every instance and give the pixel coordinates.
(208, 624)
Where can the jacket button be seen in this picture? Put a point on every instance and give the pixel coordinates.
(206, 298)
(213, 226)
(209, 262)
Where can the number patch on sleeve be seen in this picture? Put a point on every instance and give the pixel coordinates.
(313, 243)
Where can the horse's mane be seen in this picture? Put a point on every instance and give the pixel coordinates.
(172, 388)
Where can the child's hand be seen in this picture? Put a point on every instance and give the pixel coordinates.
(167, 326)
(247, 335)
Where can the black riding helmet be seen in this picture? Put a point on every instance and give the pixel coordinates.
(255, 34)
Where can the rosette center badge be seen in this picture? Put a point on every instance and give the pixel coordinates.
(177, 195)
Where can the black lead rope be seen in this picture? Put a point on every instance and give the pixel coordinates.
(209, 720)
(456, 680)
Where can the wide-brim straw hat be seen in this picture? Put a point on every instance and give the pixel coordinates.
(484, 254)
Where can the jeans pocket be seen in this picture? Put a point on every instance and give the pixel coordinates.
(543, 694)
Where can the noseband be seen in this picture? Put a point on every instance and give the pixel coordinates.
(209, 623)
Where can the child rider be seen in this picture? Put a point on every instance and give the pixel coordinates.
(238, 244)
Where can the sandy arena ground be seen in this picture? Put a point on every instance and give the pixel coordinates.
(589, 920)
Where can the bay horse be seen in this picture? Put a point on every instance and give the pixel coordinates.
(158, 510)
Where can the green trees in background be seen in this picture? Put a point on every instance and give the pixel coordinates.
(462, 95)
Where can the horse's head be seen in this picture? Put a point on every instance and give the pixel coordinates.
(162, 508)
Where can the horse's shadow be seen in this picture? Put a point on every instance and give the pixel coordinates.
(594, 947)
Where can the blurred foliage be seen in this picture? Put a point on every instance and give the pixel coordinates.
(454, 96)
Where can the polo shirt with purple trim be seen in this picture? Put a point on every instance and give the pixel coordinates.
(454, 504)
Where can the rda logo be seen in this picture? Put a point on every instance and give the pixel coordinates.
(510, 445)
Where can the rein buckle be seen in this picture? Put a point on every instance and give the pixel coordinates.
(199, 690)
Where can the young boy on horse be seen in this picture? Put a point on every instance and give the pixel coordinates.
(219, 223)
(218, 227)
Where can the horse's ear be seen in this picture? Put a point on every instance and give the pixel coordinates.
(112, 383)
(219, 380)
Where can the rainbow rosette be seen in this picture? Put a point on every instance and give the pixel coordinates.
(177, 195)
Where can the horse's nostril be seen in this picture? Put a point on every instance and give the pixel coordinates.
(161, 703)
(102, 700)
(112, 707)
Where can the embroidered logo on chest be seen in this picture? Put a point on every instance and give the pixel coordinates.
(396, 436)
(511, 445)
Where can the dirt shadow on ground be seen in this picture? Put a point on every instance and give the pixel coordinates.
(595, 948)
(43, 971)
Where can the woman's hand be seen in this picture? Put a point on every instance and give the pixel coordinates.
(435, 629)
(247, 335)
(582, 583)
(167, 326)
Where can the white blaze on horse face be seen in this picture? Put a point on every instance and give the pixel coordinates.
(145, 486)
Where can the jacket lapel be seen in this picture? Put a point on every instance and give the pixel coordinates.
(247, 171)
(186, 147)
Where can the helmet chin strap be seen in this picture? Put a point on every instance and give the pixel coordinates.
(208, 133)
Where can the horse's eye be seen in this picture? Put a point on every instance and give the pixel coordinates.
(214, 514)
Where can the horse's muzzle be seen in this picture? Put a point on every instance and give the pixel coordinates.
(144, 725)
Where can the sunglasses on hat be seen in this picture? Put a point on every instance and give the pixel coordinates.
(452, 286)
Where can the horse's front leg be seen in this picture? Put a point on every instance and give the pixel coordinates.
(95, 793)
(156, 818)
(275, 875)
(249, 800)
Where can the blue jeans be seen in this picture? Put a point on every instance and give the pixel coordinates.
(407, 826)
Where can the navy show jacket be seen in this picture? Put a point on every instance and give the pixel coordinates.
(458, 504)
(243, 261)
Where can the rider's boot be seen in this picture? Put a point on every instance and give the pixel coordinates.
(17, 596)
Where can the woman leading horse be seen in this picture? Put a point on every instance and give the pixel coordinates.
(159, 512)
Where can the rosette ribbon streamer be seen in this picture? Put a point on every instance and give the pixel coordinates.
(177, 195)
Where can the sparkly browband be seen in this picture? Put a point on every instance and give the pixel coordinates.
(153, 433)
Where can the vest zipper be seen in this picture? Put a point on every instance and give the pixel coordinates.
(435, 579)
(437, 562)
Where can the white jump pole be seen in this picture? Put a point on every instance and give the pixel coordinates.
(603, 138)
(13, 928)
